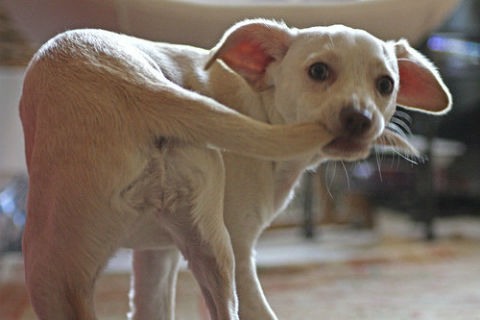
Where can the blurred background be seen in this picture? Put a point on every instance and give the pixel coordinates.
(415, 199)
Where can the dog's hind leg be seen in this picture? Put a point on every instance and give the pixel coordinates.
(153, 287)
(68, 239)
(211, 262)
(195, 223)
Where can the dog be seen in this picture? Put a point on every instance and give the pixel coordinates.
(170, 149)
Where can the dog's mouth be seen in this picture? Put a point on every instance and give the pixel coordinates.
(347, 146)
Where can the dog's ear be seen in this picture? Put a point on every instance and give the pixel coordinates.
(421, 87)
(250, 46)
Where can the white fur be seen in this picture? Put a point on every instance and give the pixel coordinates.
(165, 149)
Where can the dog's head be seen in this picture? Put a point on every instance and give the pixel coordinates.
(344, 78)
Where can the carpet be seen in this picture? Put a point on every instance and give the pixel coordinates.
(394, 279)
(440, 290)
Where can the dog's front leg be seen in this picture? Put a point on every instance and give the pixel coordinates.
(244, 225)
(252, 301)
(248, 210)
(153, 286)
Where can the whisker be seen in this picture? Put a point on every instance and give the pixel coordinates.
(331, 44)
(407, 157)
(395, 145)
(403, 125)
(392, 126)
(394, 160)
(347, 177)
(379, 168)
(330, 177)
(403, 115)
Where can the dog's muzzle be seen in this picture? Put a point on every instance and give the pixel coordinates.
(353, 134)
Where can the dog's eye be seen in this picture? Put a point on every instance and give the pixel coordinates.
(319, 71)
(385, 85)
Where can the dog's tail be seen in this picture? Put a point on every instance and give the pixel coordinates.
(85, 69)
(200, 120)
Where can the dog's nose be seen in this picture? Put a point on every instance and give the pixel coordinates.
(355, 122)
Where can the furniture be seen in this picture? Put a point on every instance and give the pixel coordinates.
(201, 22)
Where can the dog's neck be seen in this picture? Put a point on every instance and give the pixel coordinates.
(260, 105)
(268, 104)
(220, 83)
(233, 91)
(230, 89)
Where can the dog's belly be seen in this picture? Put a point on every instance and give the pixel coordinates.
(167, 193)
(148, 198)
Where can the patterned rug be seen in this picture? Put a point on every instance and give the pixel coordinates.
(394, 280)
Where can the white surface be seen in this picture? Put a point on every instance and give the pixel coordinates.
(12, 158)
(202, 22)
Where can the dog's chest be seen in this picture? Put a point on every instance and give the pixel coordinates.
(260, 185)
(286, 176)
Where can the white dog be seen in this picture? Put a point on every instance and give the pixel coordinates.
(166, 149)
